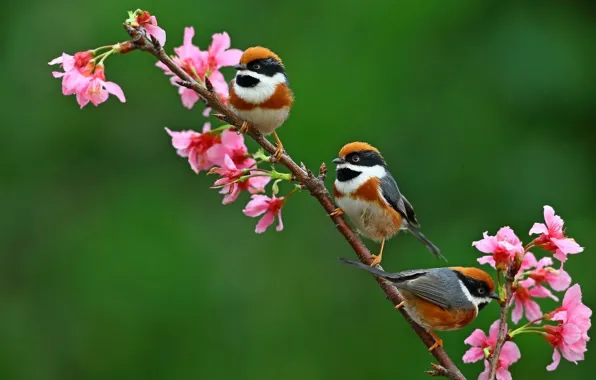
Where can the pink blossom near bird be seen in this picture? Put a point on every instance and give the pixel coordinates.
(270, 207)
(552, 236)
(503, 247)
(523, 302)
(569, 338)
(195, 146)
(98, 89)
(480, 341)
(149, 23)
(540, 271)
(232, 183)
(232, 145)
(77, 71)
(201, 64)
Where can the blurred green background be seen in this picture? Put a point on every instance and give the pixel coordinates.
(117, 262)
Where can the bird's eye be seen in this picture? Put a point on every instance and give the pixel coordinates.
(481, 291)
(355, 159)
(256, 66)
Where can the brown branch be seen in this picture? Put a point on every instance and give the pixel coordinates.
(502, 336)
(307, 180)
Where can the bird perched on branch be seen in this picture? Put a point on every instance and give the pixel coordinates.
(365, 190)
(442, 299)
(260, 94)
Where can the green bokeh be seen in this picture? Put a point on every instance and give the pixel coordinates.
(117, 262)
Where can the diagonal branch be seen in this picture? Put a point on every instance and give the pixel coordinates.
(502, 335)
(307, 179)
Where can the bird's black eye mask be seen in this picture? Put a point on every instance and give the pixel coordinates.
(266, 66)
(365, 158)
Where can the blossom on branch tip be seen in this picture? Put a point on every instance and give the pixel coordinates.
(77, 71)
(219, 53)
(480, 341)
(97, 89)
(503, 247)
(232, 145)
(522, 298)
(195, 145)
(149, 23)
(232, 181)
(552, 236)
(558, 279)
(271, 207)
(569, 338)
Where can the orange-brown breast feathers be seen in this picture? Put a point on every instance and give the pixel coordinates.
(477, 274)
(282, 97)
(258, 52)
(356, 147)
(369, 192)
(438, 318)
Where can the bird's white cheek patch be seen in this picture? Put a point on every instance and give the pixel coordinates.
(262, 91)
(475, 300)
(366, 173)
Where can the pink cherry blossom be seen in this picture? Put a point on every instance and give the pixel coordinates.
(199, 64)
(271, 207)
(503, 248)
(97, 89)
(479, 341)
(219, 53)
(552, 236)
(569, 338)
(232, 145)
(77, 71)
(149, 23)
(195, 145)
(231, 183)
(522, 298)
(558, 279)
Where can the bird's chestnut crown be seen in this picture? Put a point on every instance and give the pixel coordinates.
(360, 154)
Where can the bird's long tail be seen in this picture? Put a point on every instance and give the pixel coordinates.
(373, 270)
(431, 247)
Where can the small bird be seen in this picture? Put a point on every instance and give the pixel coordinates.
(365, 190)
(443, 299)
(260, 94)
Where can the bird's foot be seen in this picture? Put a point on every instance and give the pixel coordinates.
(376, 259)
(438, 342)
(243, 128)
(337, 212)
(399, 305)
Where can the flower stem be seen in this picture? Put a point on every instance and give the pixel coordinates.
(220, 129)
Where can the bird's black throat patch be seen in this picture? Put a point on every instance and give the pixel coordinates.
(246, 81)
(346, 174)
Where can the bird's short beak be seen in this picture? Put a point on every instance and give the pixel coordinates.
(339, 160)
(494, 296)
(240, 66)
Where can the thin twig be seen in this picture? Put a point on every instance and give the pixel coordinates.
(313, 184)
(502, 336)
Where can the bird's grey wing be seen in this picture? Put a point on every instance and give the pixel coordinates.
(396, 278)
(391, 194)
(431, 287)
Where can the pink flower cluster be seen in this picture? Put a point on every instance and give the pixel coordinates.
(506, 253)
(480, 341)
(83, 78)
(225, 153)
(203, 64)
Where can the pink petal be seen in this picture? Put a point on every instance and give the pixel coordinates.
(82, 99)
(484, 374)
(473, 355)
(257, 184)
(518, 311)
(157, 32)
(493, 331)
(542, 292)
(206, 127)
(233, 140)
(114, 89)
(490, 260)
(544, 262)
(180, 140)
(507, 234)
(232, 195)
(556, 359)
(194, 160)
(572, 296)
(280, 225)
(559, 316)
(538, 228)
(229, 58)
(57, 74)
(529, 261)
(219, 84)
(257, 206)
(228, 163)
(560, 255)
(188, 50)
(189, 97)
(55, 61)
(567, 246)
(503, 374)
(220, 42)
(571, 333)
(217, 153)
(559, 282)
(206, 111)
(265, 222)
(532, 310)
(510, 353)
(527, 283)
(486, 245)
(554, 222)
(477, 338)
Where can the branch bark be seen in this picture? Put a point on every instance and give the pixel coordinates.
(310, 182)
(502, 335)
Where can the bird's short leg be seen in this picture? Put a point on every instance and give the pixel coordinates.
(280, 148)
(243, 128)
(379, 257)
(338, 211)
(438, 341)
(399, 305)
